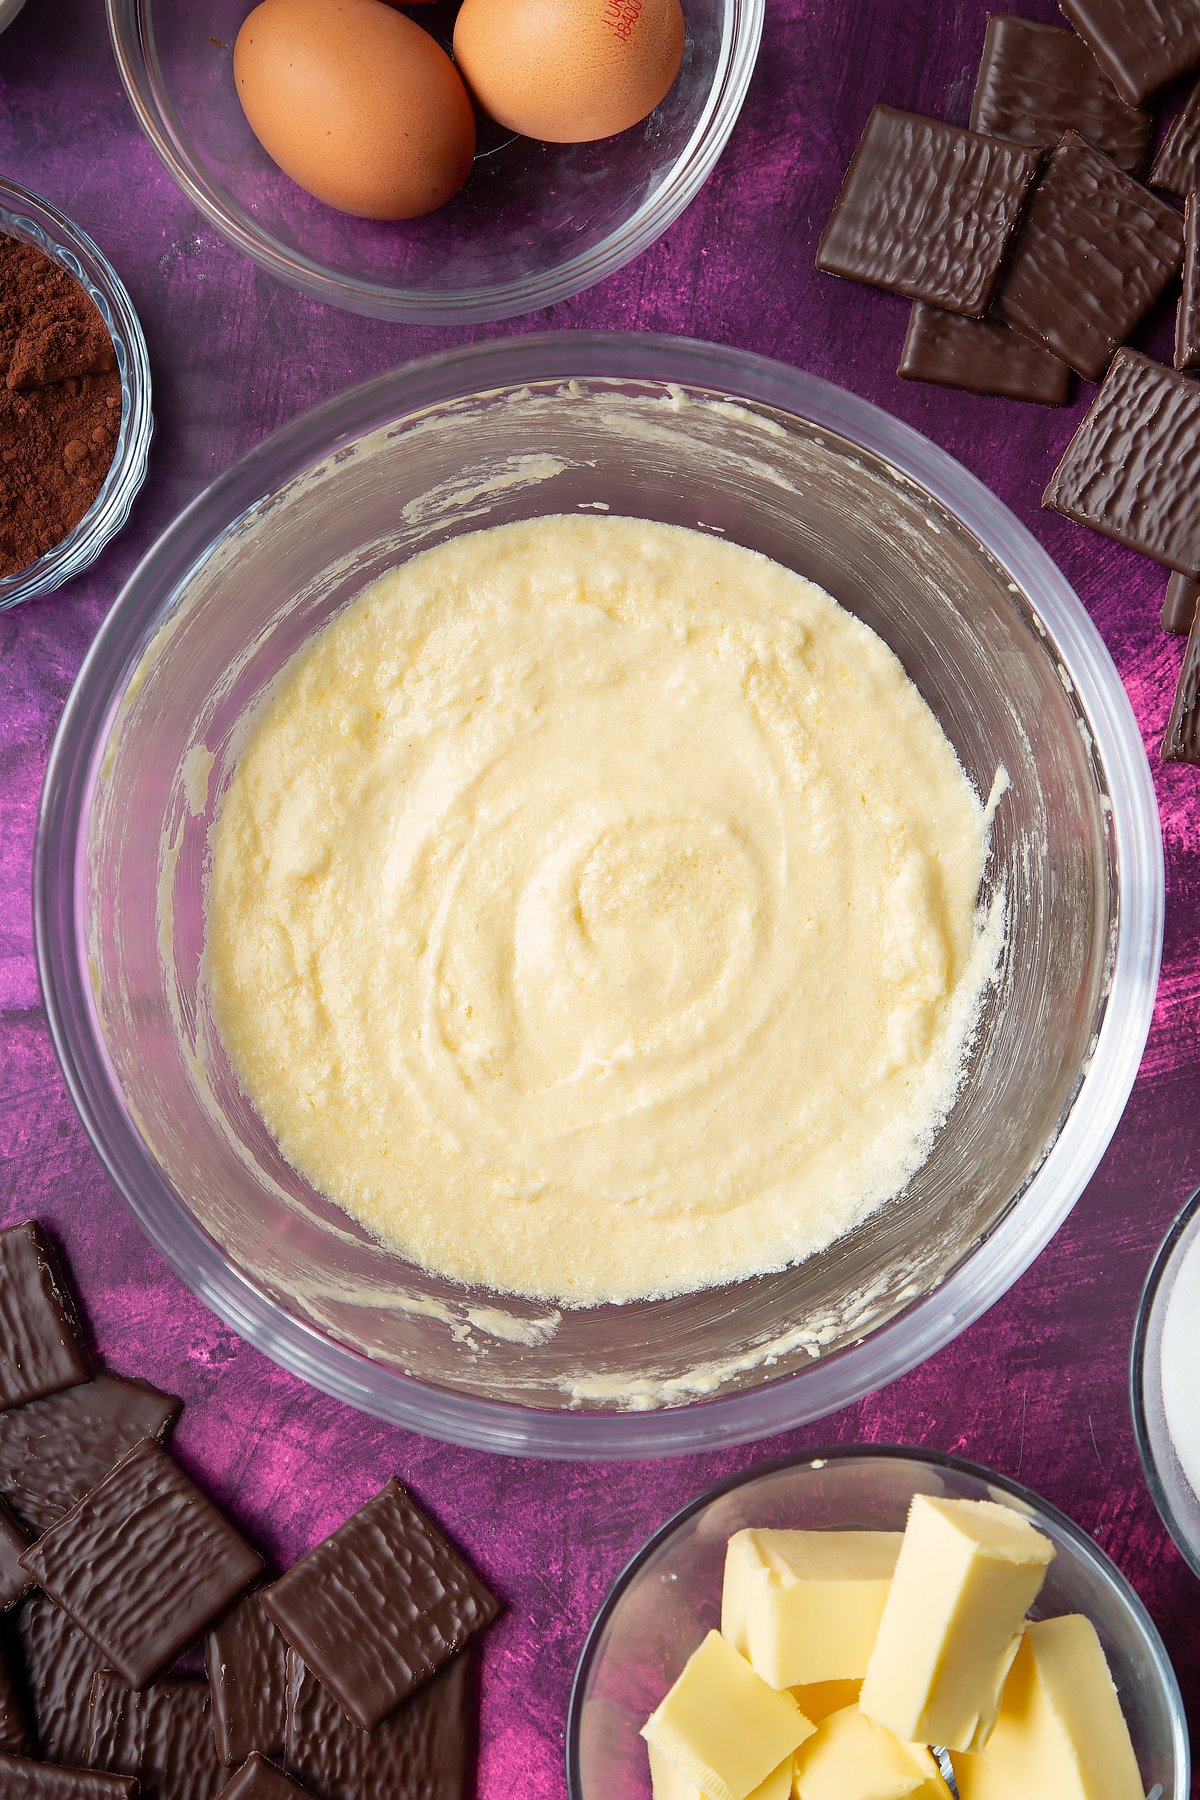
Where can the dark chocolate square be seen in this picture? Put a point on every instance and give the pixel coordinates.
(16, 1739)
(1037, 81)
(927, 209)
(1187, 314)
(15, 1582)
(1177, 165)
(21, 1779)
(1094, 252)
(380, 1606)
(1179, 604)
(981, 356)
(424, 1751)
(1143, 45)
(1132, 470)
(54, 1451)
(59, 1663)
(246, 1659)
(40, 1346)
(261, 1780)
(163, 1735)
(1182, 740)
(143, 1564)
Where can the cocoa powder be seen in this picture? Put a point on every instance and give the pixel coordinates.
(60, 403)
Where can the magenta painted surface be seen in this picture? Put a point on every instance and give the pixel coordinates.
(1036, 1388)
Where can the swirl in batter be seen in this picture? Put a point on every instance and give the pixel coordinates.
(592, 912)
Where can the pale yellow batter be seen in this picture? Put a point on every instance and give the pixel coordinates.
(593, 912)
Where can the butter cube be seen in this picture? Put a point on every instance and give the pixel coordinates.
(721, 1726)
(850, 1757)
(967, 1573)
(817, 1699)
(804, 1606)
(1060, 1733)
(668, 1784)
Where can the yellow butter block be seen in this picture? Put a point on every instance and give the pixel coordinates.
(721, 1726)
(850, 1757)
(804, 1606)
(817, 1699)
(1060, 1733)
(967, 1573)
(668, 1784)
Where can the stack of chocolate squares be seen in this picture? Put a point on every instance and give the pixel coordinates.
(353, 1671)
(1032, 252)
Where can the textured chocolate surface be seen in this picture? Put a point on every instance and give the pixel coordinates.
(24, 1780)
(1187, 313)
(1181, 742)
(927, 209)
(261, 1780)
(14, 1580)
(54, 1451)
(1037, 81)
(1179, 604)
(1144, 45)
(981, 356)
(163, 1735)
(40, 1348)
(380, 1606)
(246, 1659)
(144, 1563)
(1094, 252)
(15, 1736)
(1177, 164)
(424, 1751)
(1132, 470)
(59, 1663)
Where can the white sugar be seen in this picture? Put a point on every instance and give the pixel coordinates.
(1181, 1365)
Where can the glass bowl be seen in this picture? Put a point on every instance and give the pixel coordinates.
(691, 434)
(669, 1596)
(23, 215)
(1175, 1495)
(535, 222)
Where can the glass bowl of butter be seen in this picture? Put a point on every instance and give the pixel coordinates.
(993, 648)
(797, 1605)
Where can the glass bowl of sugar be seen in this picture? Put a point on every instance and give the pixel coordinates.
(1163, 1384)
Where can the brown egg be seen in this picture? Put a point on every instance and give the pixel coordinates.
(356, 103)
(569, 70)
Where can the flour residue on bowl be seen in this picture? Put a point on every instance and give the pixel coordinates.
(593, 913)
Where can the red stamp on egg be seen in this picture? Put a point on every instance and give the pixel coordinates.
(621, 17)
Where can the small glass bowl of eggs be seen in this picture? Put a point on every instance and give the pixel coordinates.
(446, 161)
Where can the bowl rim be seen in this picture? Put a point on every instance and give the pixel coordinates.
(38, 221)
(1151, 1295)
(1084, 1545)
(825, 1384)
(741, 36)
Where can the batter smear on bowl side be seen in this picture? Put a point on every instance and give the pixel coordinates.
(594, 912)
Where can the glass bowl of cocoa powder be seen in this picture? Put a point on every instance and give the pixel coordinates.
(75, 420)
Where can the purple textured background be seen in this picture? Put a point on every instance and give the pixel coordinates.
(1036, 1388)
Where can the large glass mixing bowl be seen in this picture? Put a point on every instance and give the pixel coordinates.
(694, 435)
